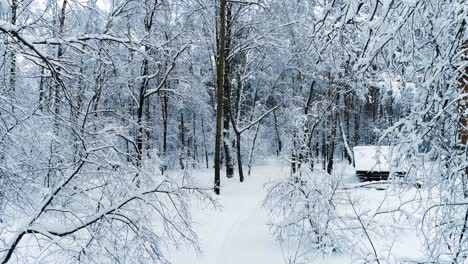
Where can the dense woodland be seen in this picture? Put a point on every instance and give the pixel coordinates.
(100, 99)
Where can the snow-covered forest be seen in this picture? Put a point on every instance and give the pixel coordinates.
(225, 131)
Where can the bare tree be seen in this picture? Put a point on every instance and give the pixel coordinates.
(220, 94)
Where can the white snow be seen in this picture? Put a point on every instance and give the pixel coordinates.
(372, 158)
(238, 233)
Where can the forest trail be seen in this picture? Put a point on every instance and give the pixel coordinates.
(237, 233)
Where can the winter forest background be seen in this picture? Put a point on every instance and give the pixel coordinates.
(109, 122)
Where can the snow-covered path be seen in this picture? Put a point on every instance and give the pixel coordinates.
(238, 233)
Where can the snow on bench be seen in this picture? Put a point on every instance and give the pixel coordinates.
(374, 162)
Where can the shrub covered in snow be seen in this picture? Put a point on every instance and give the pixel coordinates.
(303, 208)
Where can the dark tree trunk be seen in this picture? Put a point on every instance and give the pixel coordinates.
(194, 139)
(390, 110)
(227, 98)
(331, 148)
(324, 149)
(141, 104)
(182, 148)
(164, 107)
(220, 95)
(148, 124)
(463, 81)
(14, 9)
(42, 91)
(345, 131)
(463, 105)
(56, 97)
(357, 120)
(235, 120)
(294, 162)
(239, 157)
(130, 108)
(204, 142)
(278, 137)
(253, 148)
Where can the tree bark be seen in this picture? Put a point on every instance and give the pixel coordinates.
(56, 91)
(227, 98)
(141, 103)
(147, 118)
(194, 139)
(239, 157)
(42, 91)
(324, 147)
(331, 149)
(148, 23)
(253, 148)
(204, 141)
(182, 158)
(357, 120)
(220, 95)
(164, 107)
(345, 131)
(463, 105)
(235, 121)
(463, 82)
(278, 137)
(14, 9)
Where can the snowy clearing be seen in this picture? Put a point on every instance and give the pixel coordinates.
(237, 232)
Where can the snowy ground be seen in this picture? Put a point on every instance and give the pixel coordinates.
(238, 232)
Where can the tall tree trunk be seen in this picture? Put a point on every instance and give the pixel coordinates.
(252, 149)
(331, 148)
(345, 131)
(194, 139)
(227, 98)
(148, 23)
(317, 143)
(373, 96)
(328, 143)
(56, 91)
(141, 104)
(164, 109)
(294, 161)
(239, 157)
(357, 120)
(324, 148)
(228, 152)
(390, 111)
(130, 105)
(305, 143)
(42, 91)
(347, 149)
(235, 121)
(278, 137)
(182, 156)
(463, 81)
(463, 106)
(348, 115)
(14, 15)
(220, 95)
(204, 142)
(148, 131)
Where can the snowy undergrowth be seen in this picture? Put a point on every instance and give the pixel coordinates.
(319, 217)
(106, 213)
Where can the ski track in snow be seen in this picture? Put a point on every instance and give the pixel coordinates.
(238, 233)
